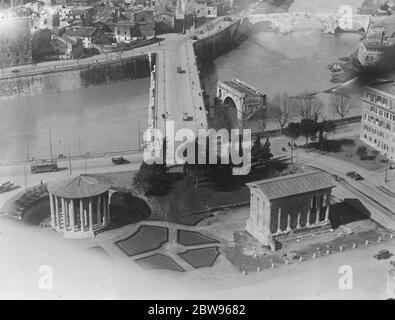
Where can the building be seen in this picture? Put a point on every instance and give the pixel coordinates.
(88, 35)
(370, 53)
(135, 26)
(15, 41)
(205, 9)
(380, 36)
(80, 205)
(288, 206)
(378, 118)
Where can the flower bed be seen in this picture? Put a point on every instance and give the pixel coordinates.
(146, 238)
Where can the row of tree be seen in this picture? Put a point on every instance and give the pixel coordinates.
(308, 107)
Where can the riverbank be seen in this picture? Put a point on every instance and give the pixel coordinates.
(75, 77)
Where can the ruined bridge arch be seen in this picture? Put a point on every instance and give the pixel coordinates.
(240, 100)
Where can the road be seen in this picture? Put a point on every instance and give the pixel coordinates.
(314, 279)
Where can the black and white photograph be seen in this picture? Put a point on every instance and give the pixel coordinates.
(190, 150)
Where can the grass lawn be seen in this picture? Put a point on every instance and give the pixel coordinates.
(145, 239)
(190, 238)
(159, 261)
(373, 160)
(183, 203)
(199, 258)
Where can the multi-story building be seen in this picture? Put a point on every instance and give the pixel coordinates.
(378, 118)
(15, 41)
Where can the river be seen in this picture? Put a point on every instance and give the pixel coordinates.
(106, 118)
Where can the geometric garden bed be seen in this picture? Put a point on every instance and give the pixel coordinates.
(191, 238)
(159, 261)
(145, 239)
(199, 258)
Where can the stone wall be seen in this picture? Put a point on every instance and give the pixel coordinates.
(222, 42)
(75, 77)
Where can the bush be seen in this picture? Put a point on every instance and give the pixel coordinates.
(362, 152)
(153, 179)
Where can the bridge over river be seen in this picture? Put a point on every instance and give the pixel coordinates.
(285, 22)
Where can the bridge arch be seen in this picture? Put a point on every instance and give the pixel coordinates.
(230, 113)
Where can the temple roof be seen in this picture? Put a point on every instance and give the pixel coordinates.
(293, 184)
(81, 186)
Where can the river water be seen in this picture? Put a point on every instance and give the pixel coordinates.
(106, 118)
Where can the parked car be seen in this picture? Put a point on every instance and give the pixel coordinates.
(292, 255)
(383, 254)
(119, 160)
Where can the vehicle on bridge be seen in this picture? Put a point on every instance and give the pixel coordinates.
(119, 160)
(44, 166)
(180, 70)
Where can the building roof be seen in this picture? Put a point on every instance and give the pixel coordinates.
(387, 86)
(81, 186)
(293, 184)
(80, 32)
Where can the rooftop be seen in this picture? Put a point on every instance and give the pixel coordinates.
(293, 184)
(387, 86)
(80, 32)
(81, 186)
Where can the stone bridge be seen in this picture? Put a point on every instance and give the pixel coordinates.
(286, 22)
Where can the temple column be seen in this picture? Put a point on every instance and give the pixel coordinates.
(64, 213)
(101, 212)
(98, 217)
(82, 215)
(71, 214)
(308, 214)
(90, 215)
(328, 202)
(107, 197)
(57, 213)
(53, 221)
(298, 223)
(318, 209)
(279, 221)
(289, 223)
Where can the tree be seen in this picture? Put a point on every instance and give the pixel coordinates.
(41, 44)
(152, 178)
(308, 129)
(259, 152)
(293, 132)
(308, 106)
(283, 105)
(340, 104)
(326, 126)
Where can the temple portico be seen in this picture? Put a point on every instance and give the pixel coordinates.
(284, 206)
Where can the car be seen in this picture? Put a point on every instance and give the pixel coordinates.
(350, 174)
(292, 255)
(180, 70)
(354, 175)
(358, 177)
(383, 254)
(119, 160)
